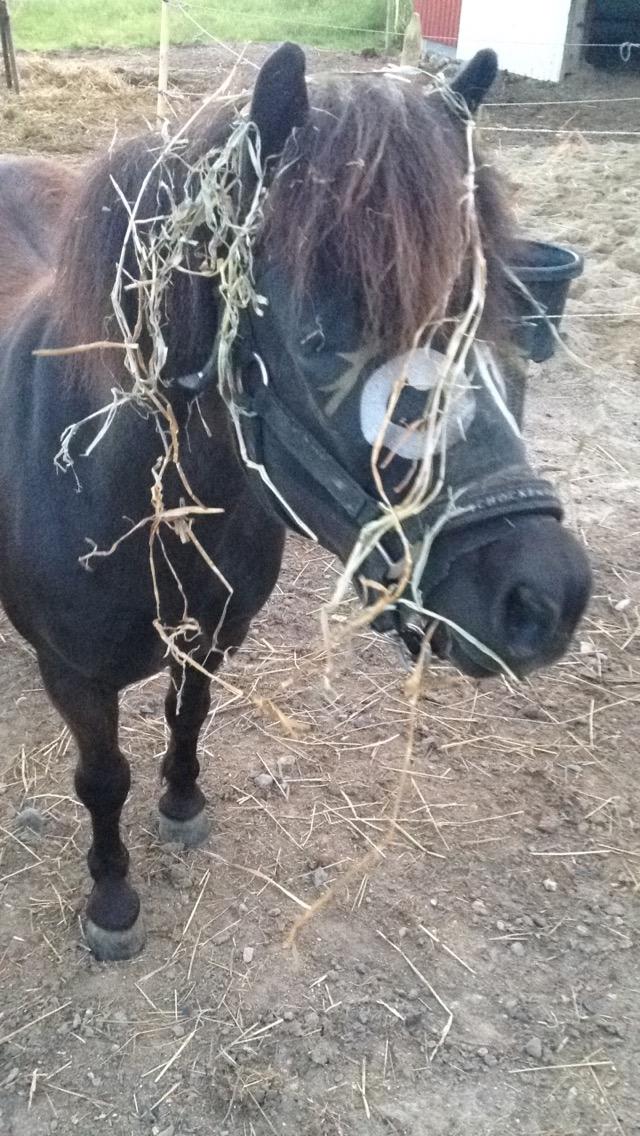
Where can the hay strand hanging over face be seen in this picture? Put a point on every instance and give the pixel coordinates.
(372, 189)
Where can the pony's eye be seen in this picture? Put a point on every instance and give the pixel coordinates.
(312, 342)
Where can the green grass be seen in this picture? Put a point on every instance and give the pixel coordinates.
(50, 25)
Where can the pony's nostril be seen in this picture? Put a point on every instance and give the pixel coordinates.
(531, 620)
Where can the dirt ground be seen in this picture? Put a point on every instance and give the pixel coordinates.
(483, 978)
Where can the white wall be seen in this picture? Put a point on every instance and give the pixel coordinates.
(528, 35)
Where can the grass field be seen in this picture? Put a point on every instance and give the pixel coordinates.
(49, 25)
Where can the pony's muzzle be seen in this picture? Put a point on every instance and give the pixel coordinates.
(513, 604)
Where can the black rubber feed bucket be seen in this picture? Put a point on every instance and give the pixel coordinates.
(546, 272)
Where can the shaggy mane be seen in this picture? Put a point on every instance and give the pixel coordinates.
(372, 186)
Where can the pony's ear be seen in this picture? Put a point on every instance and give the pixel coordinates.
(474, 81)
(280, 99)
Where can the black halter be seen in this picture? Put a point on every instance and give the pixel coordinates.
(275, 439)
(511, 491)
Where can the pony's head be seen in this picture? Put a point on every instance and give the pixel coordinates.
(374, 356)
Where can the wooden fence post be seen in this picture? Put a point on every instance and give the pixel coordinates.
(162, 109)
(8, 54)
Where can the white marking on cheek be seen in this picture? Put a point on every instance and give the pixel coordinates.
(421, 369)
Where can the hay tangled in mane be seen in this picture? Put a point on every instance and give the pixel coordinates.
(373, 186)
(135, 201)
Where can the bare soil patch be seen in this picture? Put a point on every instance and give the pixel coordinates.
(512, 882)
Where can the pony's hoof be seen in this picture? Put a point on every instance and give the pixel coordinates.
(190, 833)
(112, 946)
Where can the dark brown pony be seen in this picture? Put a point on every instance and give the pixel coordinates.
(365, 244)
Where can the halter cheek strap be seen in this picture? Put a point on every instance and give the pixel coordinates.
(264, 416)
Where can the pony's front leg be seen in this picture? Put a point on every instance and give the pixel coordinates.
(113, 926)
(182, 816)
